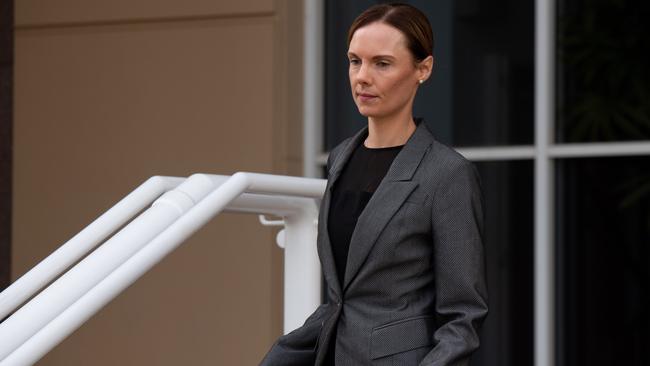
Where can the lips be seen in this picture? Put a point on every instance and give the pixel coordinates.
(366, 97)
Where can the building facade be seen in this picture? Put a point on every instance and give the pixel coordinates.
(550, 99)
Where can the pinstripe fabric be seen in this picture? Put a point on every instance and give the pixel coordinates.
(414, 291)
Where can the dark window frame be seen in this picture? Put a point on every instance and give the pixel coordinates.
(6, 133)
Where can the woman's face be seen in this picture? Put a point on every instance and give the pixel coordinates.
(383, 74)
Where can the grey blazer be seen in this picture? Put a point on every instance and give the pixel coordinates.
(414, 291)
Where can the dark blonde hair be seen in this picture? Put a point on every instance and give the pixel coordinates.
(407, 19)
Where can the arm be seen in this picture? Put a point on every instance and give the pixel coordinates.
(461, 291)
(298, 347)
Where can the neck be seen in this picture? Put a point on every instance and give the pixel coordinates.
(386, 132)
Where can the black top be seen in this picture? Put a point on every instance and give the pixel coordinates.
(358, 181)
(350, 194)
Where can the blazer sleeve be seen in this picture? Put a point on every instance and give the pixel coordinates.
(297, 348)
(459, 265)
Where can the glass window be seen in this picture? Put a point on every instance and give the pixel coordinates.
(603, 261)
(603, 76)
(507, 335)
(481, 90)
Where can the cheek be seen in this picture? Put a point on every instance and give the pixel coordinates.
(398, 88)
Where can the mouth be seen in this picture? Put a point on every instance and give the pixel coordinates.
(366, 97)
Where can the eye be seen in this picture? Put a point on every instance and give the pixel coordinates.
(354, 61)
(383, 64)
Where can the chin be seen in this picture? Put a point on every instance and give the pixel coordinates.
(367, 112)
(372, 114)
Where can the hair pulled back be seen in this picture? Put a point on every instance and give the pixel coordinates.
(407, 19)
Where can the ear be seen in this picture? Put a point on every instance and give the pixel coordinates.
(424, 68)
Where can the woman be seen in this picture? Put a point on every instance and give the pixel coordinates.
(400, 224)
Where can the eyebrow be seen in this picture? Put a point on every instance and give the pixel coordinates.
(378, 57)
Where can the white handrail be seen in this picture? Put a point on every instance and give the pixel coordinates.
(75, 248)
(51, 301)
(302, 270)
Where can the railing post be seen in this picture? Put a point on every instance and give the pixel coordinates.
(302, 272)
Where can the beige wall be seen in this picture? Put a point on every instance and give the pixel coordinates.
(108, 93)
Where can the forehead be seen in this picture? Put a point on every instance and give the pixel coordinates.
(378, 38)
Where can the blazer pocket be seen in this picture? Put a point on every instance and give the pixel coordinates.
(402, 335)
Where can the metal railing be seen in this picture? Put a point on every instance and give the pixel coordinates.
(180, 207)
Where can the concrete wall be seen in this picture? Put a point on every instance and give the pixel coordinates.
(108, 93)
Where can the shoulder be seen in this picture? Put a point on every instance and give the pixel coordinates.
(336, 151)
(444, 161)
(444, 170)
(440, 160)
(340, 146)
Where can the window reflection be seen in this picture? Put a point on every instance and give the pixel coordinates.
(507, 335)
(603, 256)
(603, 77)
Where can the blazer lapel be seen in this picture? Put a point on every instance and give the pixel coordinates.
(389, 196)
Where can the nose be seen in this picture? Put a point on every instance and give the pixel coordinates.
(363, 74)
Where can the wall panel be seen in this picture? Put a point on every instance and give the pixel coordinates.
(101, 107)
(39, 13)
